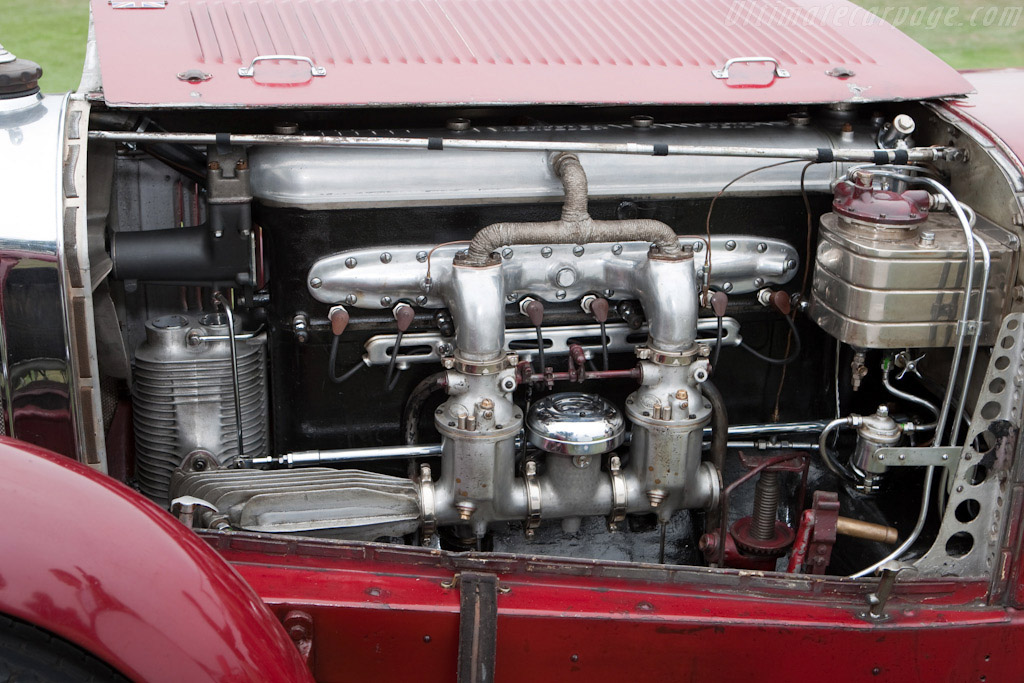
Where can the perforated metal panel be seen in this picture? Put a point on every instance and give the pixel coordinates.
(972, 525)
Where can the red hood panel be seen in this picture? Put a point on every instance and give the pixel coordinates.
(402, 52)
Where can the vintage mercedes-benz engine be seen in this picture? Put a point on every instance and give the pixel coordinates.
(545, 342)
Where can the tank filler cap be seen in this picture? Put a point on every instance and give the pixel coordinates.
(18, 77)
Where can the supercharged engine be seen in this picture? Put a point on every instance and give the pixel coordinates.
(688, 342)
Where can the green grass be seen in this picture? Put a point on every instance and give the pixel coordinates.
(947, 29)
(53, 32)
(49, 32)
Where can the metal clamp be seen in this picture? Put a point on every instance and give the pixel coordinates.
(250, 71)
(185, 507)
(427, 505)
(532, 497)
(619, 499)
(723, 73)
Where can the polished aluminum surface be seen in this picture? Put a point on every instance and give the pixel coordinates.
(969, 544)
(723, 73)
(432, 347)
(476, 298)
(739, 263)
(669, 413)
(184, 398)
(574, 423)
(81, 279)
(322, 177)
(40, 400)
(905, 293)
(349, 504)
(250, 71)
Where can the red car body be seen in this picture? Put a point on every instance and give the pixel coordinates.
(93, 562)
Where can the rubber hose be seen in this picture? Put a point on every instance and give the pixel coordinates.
(414, 405)
(719, 425)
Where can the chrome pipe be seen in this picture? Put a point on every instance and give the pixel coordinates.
(229, 314)
(765, 445)
(906, 396)
(947, 399)
(811, 427)
(244, 336)
(986, 257)
(805, 153)
(826, 452)
(344, 455)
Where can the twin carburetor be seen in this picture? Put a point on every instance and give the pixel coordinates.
(479, 423)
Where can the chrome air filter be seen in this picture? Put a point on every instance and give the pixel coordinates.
(574, 423)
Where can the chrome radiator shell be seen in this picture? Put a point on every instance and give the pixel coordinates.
(183, 398)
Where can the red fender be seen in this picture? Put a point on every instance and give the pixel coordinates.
(89, 560)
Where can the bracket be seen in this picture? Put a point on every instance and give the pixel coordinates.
(432, 347)
(940, 456)
(478, 626)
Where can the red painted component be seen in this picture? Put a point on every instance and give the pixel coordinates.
(339, 320)
(866, 203)
(798, 557)
(719, 303)
(750, 545)
(816, 536)
(823, 537)
(535, 310)
(724, 549)
(781, 302)
(599, 309)
(84, 557)
(509, 52)
(577, 363)
(734, 558)
(381, 613)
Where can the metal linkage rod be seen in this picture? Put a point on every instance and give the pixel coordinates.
(348, 455)
(226, 305)
(807, 153)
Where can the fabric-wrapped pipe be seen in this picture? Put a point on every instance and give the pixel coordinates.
(576, 226)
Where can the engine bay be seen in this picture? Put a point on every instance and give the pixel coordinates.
(769, 340)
